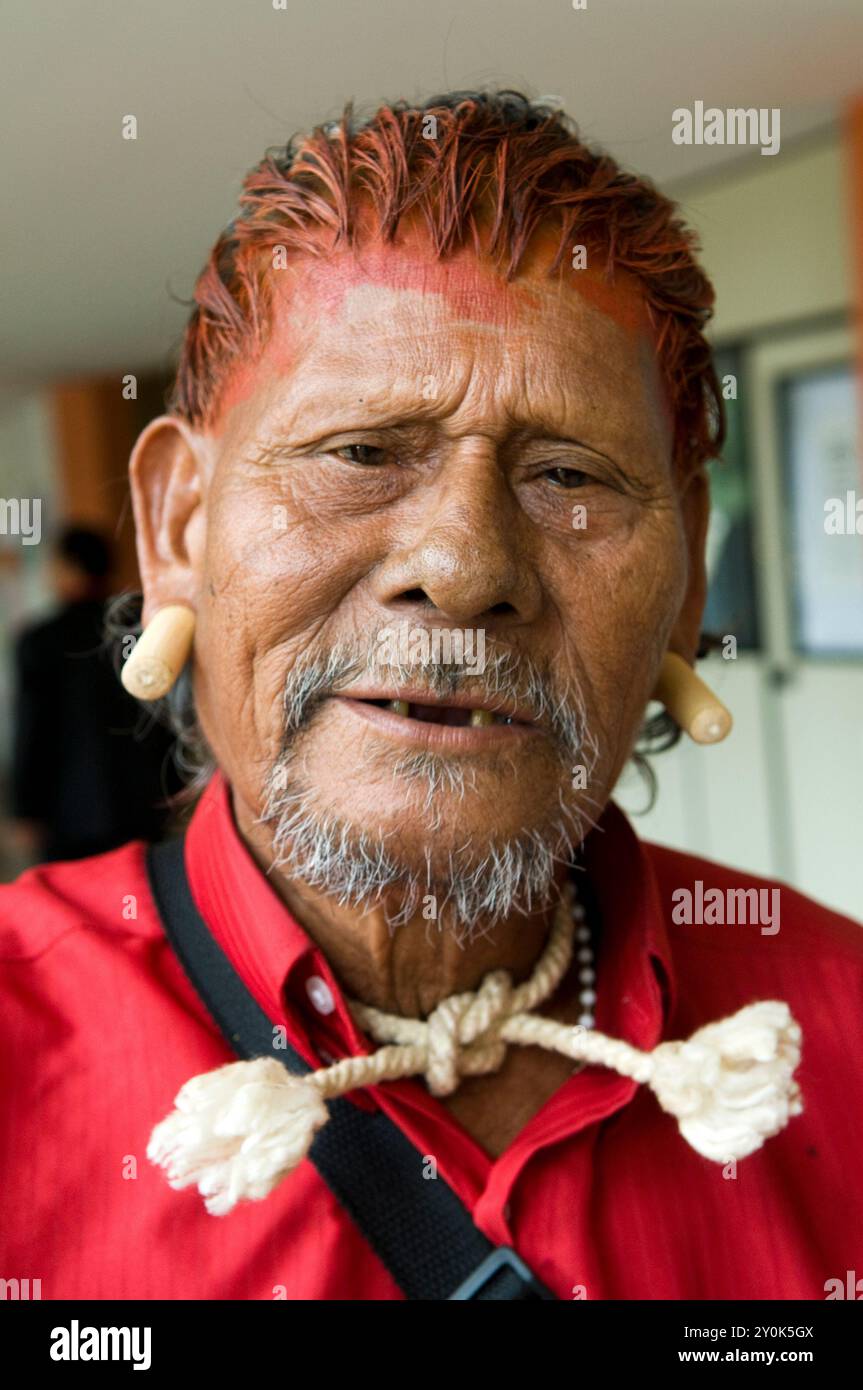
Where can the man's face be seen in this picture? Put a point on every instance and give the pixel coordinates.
(424, 447)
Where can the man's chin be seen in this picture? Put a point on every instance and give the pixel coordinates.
(458, 799)
(463, 813)
(471, 865)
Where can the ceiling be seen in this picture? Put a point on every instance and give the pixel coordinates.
(102, 235)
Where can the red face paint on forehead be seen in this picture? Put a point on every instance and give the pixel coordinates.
(467, 281)
(472, 287)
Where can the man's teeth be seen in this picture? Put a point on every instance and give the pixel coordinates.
(479, 718)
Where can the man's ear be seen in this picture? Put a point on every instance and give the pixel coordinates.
(168, 473)
(695, 511)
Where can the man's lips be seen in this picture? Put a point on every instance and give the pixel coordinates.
(455, 724)
(455, 710)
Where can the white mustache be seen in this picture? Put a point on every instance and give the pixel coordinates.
(507, 676)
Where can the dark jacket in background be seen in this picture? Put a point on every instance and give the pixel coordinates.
(88, 763)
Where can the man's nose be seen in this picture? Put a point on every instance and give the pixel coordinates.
(469, 558)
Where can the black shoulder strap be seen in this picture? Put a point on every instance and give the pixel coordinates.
(417, 1226)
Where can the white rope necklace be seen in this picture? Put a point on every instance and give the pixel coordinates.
(238, 1130)
(462, 1036)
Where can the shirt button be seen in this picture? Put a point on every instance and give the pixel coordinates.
(320, 994)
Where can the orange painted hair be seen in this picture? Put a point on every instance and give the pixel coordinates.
(450, 160)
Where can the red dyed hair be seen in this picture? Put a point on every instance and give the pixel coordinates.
(492, 156)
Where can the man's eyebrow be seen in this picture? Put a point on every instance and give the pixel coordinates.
(622, 475)
(294, 439)
(263, 452)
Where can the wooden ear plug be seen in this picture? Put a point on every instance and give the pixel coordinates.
(160, 653)
(690, 702)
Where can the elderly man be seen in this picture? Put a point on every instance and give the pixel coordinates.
(409, 1012)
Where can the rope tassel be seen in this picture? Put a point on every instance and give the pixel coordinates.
(731, 1086)
(238, 1130)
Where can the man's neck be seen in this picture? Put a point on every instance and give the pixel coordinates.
(410, 968)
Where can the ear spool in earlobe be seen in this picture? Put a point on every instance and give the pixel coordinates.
(160, 653)
(690, 701)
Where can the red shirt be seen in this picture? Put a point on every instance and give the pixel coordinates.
(99, 1028)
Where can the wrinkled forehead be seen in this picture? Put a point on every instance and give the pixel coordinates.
(381, 299)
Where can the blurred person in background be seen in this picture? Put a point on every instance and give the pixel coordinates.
(87, 772)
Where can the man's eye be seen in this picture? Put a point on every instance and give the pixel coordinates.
(360, 453)
(567, 477)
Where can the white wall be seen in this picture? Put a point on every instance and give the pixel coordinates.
(775, 238)
(784, 795)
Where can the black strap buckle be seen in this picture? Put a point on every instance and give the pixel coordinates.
(502, 1275)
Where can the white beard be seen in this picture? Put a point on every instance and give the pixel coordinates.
(477, 885)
